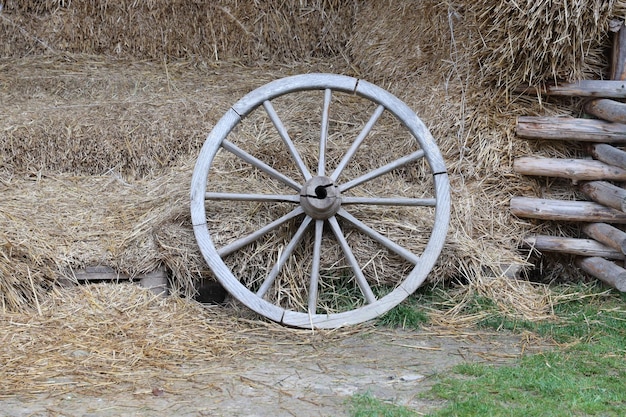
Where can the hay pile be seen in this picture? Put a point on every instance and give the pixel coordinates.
(118, 338)
(505, 42)
(110, 338)
(103, 115)
(533, 42)
(216, 30)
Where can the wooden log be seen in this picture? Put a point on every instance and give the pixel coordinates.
(608, 154)
(573, 211)
(572, 246)
(570, 128)
(618, 55)
(607, 109)
(607, 235)
(575, 169)
(606, 194)
(606, 271)
(584, 88)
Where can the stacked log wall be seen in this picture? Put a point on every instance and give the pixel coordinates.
(601, 177)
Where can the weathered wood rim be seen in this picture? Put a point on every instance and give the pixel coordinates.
(328, 202)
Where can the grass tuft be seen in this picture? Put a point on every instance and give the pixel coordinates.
(366, 405)
(406, 315)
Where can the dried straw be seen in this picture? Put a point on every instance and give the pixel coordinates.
(97, 151)
(106, 337)
(110, 338)
(222, 30)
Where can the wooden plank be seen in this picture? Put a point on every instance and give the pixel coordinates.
(574, 169)
(606, 271)
(606, 194)
(584, 88)
(618, 55)
(572, 246)
(99, 273)
(607, 235)
(573, 211)
(607, 109)
(105, 273)
(155, 281)
(608, 154)
(570, 128)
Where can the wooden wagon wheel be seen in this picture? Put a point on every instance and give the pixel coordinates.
(324, 211)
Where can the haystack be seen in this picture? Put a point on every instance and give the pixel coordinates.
(104, 115)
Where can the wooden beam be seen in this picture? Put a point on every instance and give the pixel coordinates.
(570, 128)
(607, 109)
(572, 246)
(606, 194)
(608, 154)
(618, 55)
(606, 271)
(573, 211)
(607, 235)
(155, 281)
(574, 169)
(584, 88)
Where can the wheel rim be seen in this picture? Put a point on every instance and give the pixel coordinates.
(319, 199)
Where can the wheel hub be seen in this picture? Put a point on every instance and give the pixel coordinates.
(320, 198)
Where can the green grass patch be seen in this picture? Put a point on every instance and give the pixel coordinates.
(366, 405)
(406, 315)
(412, 313)
(584, 377)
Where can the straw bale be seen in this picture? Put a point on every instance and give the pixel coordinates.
(532, 42)
(51, 226)
(393, 39)
(215, 30)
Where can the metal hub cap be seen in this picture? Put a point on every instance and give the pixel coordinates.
(320, 198)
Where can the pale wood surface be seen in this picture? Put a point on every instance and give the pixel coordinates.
(573, 211)
(575, 169)
(606, 271)
(608, 154)
(155, 281)
(570, 128)
(618, 55)
(584, 88)
(607, 234)
(386, 103)
(607, 109)
(105, 273)
(572, 246)
(606, 194)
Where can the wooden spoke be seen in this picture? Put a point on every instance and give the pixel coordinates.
(355, 145)
(253, 197)
(389, 244)
(321, 166)
(252, 237)
(283, 258)
(232, 148)
(398, 163)
(315, 269)
(282, 131)
(366, 290)
(410, 202)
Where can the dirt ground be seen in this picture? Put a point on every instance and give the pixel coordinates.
(292, 378)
